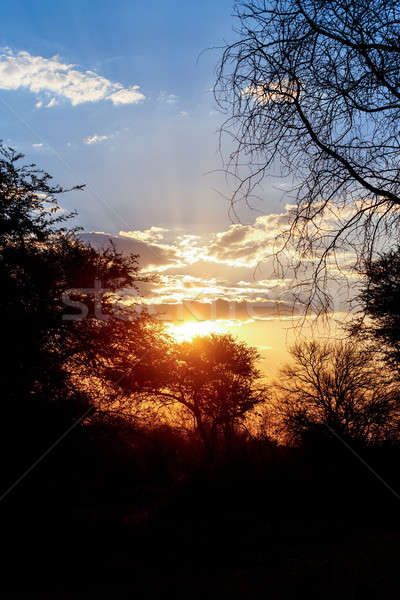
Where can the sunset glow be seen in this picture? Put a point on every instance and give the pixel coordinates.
(187, 330)
(200, 273)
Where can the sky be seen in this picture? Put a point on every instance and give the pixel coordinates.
(118, 96)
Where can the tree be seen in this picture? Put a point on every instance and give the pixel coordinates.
(216, 379)
(340, 387)
(213, 379)
(41, 259)
(314, 86)
(380, 306)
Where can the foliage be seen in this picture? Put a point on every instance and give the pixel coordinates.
(380, 306)
(216, 379)
(123, 477)
(212, 380)
(41, 259)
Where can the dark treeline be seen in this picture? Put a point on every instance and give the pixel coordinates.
(132, 464)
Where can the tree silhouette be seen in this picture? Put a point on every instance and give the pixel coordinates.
(380, 307)
(338, 386)
(216, 380)
(41, 259)
(213, 379)
(313, 87)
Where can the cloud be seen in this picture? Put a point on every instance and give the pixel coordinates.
(281, 91)
(154, 234)
(182, 264)
(37, 145)
(214, 275)
(167, 98)
(176, 287)
(171, 99)
(52, 76)
(95, 139)
(53, 102)
(238, 248)
(151, 255)
(245, 311)
(248, 245)
(126, 95)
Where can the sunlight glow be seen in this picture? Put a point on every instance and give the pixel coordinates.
(187, 330)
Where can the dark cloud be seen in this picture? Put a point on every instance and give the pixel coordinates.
(149, 254)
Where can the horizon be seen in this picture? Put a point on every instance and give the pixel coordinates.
(200, 274)
(120, 121)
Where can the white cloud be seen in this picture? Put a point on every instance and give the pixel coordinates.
(229, 274)
(167, 98)
(37, 145)
(52, 76)
(154, 234)
(52, 102)
(282, 91)
(171, 99)
(126, 95)
(96, 139)
(248, 245)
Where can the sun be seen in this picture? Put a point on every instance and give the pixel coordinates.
(186, 331)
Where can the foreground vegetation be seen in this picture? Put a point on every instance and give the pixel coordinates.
(134, 464)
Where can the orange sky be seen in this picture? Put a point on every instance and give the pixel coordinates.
(223, 282)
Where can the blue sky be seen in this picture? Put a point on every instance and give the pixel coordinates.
(115, 95)
(151, 168)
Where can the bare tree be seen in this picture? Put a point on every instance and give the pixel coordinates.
(314, 87)
(339, 386)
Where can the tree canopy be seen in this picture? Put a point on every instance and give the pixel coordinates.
(41, 259)
(211, 381)
(81, 348)
(380, 307)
